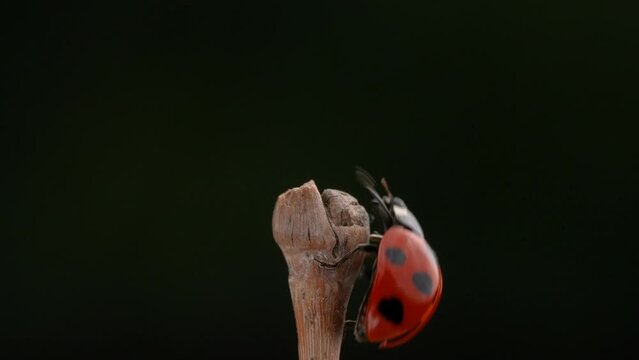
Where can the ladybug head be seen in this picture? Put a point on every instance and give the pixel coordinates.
(390, 209)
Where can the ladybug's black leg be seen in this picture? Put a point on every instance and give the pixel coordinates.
(368, 248)
(375, 239)
(350, 324)
(366, 273)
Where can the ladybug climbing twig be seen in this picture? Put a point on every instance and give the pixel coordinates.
(407, 283)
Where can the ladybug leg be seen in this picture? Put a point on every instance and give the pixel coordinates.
(349, 325)
(368, 248)
(366, 273)
(375, 238)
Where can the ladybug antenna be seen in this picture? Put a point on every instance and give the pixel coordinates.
(367, 181)
(385, 184)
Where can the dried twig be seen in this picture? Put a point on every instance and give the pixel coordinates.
(307, 227)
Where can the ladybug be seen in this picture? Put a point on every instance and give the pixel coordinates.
(406, 283)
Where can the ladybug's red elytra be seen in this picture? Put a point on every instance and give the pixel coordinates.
(406, 285)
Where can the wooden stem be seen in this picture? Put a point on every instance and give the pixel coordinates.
(307, 226)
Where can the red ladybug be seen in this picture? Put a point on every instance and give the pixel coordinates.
(407, 281)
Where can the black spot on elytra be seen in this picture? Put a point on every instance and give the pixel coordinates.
(396, 256)
(423, 282)
(392, 309)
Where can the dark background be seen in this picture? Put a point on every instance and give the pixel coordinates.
(143, 148)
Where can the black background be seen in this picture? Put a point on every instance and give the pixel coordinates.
(143, 148)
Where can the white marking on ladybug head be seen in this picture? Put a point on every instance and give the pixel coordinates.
(400, 211)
